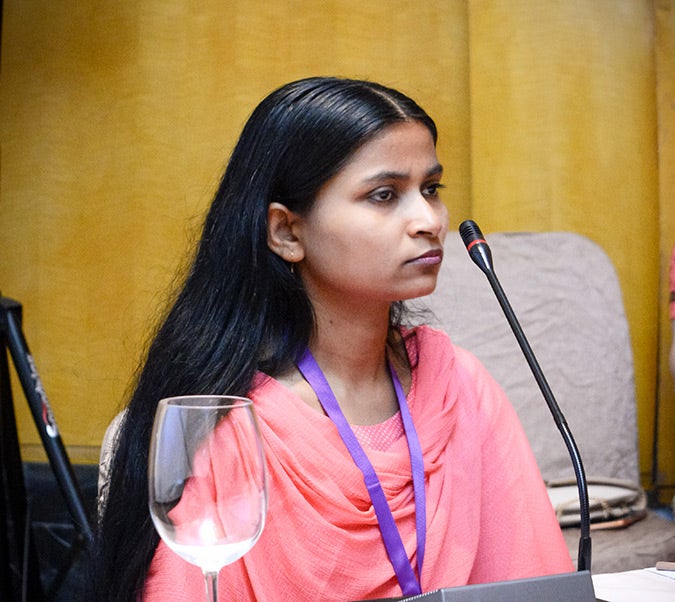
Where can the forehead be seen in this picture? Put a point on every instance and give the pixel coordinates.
(406, 146)
(405, 132)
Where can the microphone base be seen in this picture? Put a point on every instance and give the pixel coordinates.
(577, 586)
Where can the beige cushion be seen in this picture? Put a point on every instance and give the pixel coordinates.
(566, 296)
(107, 448)
(565, 293)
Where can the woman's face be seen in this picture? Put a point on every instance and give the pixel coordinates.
(376, 229)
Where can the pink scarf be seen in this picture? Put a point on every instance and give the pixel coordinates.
(488, 514)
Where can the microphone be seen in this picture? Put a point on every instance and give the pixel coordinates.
(480, 253)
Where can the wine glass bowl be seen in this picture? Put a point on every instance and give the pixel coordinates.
(207, 480)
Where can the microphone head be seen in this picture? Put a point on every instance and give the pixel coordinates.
(470, 232)
(475, 243)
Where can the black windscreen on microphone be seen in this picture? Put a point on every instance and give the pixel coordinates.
(475, 244)
(480, 253)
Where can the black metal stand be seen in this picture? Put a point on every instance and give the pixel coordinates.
(480, 253)
(19, 568)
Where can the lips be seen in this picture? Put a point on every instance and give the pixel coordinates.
(432, 257)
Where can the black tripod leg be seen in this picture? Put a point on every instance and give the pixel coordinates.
(44, 418)
(19, 568)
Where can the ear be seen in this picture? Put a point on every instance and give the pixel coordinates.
(281, 233)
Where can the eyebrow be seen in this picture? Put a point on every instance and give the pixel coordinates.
(396, 175)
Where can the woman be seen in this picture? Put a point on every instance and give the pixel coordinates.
(327, 217)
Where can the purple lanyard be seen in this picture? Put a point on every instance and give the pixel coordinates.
(410, 585)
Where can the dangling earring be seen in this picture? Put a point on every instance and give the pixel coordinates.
(292, 262)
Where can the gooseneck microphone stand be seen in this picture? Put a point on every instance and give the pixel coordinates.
(19, 574)
(481, 255)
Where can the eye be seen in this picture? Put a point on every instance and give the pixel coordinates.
(382, 195)
(431, 190)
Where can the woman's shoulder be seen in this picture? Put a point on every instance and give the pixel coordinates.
(438, 360)
(426, 338)
(433, 345)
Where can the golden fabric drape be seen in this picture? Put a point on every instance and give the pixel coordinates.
(117, 119)
(563, 124)
(664, 469)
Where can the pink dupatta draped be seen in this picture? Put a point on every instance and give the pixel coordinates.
(489, 517)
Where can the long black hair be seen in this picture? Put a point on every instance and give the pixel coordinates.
(240, 309)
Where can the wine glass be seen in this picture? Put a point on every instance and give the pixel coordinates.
(207, 480)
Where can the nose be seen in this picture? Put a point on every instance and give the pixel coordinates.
(429, 217)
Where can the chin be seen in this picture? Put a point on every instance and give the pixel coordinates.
(421, 291)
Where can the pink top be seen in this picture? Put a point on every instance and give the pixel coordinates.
(489, 517)
(380, 436)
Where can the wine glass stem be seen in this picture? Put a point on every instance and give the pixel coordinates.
(211, 579)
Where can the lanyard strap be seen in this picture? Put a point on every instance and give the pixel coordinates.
(410, 585)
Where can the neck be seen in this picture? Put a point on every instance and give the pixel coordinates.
(351, 350)
(351, 343)
(351, 330)
(350, 346)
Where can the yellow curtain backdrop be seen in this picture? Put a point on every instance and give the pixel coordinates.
(117, 119)
(573, 144)
(664, 470)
